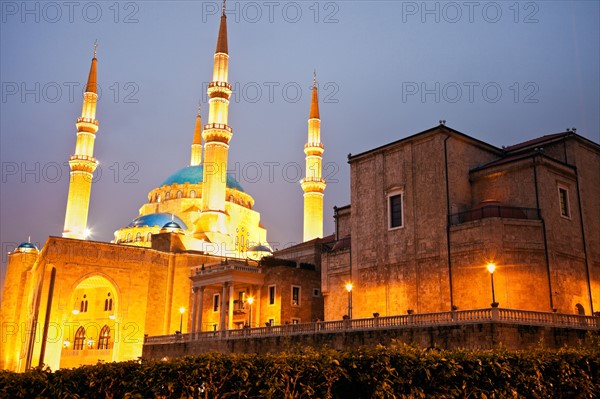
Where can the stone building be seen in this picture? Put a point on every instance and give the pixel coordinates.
(429, 212)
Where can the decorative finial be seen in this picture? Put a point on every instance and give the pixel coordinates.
(29, 239)
(172, 217)
(315, 78)
(95, 48)
(199, 106)
(223, 7)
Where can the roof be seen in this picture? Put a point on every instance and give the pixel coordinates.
(156, 220)
(423, 133)
(535, 141)
(195, 175)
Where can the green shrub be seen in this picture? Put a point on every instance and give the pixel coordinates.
(398, 371)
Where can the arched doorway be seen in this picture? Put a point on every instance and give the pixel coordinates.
(92, 313)
(580, 310)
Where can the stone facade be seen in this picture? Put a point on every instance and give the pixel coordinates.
(464, 204)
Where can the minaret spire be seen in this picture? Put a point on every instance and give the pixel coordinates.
(197, 142)
(216, 136)
(313, 184)
(82, 163)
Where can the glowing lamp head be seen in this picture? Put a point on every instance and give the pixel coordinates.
(348, 287)
(75, 311)
(491, 267)
(87, 233)
(182, 310)
(66, 343)
(250, 300)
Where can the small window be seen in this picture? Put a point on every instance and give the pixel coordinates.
(193, 194)
(79, 339)
(83, 306)
(149, 237)
(295, 320)
(271, 295)
(138, 237)
(179, 194)
(295, 295)
(168, 196)
(563, 197)
(395, 203)
(128, 239)
(104, 338)
(316, 292)
(271, 322)
(158, 198)
(216, 302)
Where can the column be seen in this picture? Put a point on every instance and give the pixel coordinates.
(195, 291)
(223, 306)
(230, 313)
(200, 308)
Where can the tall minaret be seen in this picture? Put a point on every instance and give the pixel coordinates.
(216, 135)
(313, 184)
(197, 142)
(82, 163)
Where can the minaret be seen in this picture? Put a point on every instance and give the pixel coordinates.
(82, 163)
(216, 135)
(197, 142)
(313, 184)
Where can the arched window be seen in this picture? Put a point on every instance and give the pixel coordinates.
(158, 198)
(168, 196)
(193, 194)
(138, 237)
(83, 306)
(128, 237)
(149, 237)
(108, 303)
(580, 309)
(104, 337)
(79, 339)
(179, 194)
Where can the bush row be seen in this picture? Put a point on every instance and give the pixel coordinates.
(384, 372)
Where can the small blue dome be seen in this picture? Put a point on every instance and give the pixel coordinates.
(171, 225)
(194, 175)
(27, 245)
(158, 220)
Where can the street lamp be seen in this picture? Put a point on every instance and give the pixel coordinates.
(349, 289)
(250, 302)
(491, 268)
(181, 311)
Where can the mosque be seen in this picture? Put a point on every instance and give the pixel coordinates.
(77, 301)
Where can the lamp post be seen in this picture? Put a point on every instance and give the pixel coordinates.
(491, 268)
(349, 289)
(181, 312)
(250, 302)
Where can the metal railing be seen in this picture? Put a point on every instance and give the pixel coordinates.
(494, 211)
(459, 317)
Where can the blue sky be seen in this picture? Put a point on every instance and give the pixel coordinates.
(502, 72)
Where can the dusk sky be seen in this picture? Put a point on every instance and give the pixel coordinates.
(502, 72)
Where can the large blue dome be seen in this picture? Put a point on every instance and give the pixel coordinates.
(156, 219)
(194, 175)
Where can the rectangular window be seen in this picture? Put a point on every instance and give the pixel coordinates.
(295, 295)
(395, 211)
(216, 302)
(271, 295)
(316, 292)
(271, 322)
(295, 320)
(563, 197)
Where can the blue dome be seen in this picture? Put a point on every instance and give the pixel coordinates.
(27, 245)
(194, 175)
(171, 225)
(156, 219)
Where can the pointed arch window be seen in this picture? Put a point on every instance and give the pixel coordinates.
(83, 305)
(128, 239)
(179, 194)
(138, 237)
(79, 339)
(193, 194)
(104, 337)
(108, 303)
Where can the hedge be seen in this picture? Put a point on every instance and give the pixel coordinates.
(398, 371)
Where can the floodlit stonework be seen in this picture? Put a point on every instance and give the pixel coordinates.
(532, 209)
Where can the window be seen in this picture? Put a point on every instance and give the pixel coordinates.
(168, 196)
(271, 322)
(295, 295)
(83, 306)
(104, 337)
(563, 198)
(128, 239)
(158, 198)
(179, 194)
(216, 301)
(108, 302)
(79, 339)
(395, 203)
(580, 310)
(149, 237)
(271, 295)
(316, 292)
(295, 320)
(138, 237)
(193, 194)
